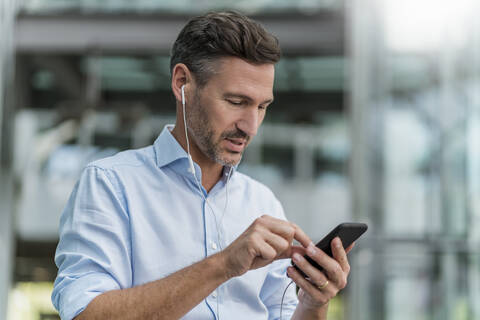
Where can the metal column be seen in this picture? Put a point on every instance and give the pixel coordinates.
(366, 111)
(473, 169)
(7, 15)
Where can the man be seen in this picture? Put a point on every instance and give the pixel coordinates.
(151, 234)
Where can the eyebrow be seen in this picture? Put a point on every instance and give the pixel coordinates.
(242, 96)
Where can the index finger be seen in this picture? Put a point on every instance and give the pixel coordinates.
(301, 236)
(280, 227)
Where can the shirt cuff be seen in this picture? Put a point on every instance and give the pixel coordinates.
(78, 293)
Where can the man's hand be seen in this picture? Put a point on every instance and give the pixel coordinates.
(266, 239)
(321, 286)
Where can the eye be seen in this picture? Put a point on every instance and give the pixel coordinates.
(262, 107)
(235, 103)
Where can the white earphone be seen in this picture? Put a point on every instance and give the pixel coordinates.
(191, 169)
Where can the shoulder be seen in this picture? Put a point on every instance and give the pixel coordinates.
(128, 159)
(124, 168)
(115, 175)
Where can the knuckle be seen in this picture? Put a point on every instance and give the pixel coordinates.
(342, 283)
(347, 268)
(262, 220)
(338, 269)
(320, 254)
(322, 299)
(294, 227)
(257, 225)
(251, 251)
(252, 240)
(270, 254)
(319, 281)
(333, 294)
(289, 231)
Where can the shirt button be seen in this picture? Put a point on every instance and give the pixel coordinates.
(214, 294)
(214, 246)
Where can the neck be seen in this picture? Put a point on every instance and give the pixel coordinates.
(211, 170)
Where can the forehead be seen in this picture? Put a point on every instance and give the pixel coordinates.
(237, 75)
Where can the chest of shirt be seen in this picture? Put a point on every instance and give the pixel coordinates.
(172, 226)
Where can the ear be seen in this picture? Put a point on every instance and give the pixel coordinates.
(180, 76)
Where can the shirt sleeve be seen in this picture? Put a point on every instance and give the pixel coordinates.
(276, 283)
(93, 254)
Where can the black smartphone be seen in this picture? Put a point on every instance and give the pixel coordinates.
(348, 232)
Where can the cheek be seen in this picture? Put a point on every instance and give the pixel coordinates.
(225, 121)
(261, 117)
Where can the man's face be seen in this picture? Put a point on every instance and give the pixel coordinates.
(226, 113)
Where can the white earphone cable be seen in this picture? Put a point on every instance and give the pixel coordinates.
(192, 170)
(283, 297)
(195, 176)
(185, 122)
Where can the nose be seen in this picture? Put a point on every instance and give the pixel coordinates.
(249, 122)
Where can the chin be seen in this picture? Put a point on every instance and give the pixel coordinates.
(231, 160)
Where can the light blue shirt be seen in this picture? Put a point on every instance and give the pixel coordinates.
(139, 216)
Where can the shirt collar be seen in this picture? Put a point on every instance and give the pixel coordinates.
(168, 150)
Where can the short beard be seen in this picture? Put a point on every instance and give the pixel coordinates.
(199, 124)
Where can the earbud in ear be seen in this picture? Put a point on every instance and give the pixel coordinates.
(183, 95)
(191, 168)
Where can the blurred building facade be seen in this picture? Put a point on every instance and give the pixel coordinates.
(376, 119)
(415, 110)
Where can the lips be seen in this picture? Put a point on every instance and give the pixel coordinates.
(235, 144)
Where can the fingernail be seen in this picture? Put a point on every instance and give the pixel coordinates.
(288, 272)
(296, 257)
(311, 249)
(338, 242)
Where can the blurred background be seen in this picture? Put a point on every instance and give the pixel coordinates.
(376, 119)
